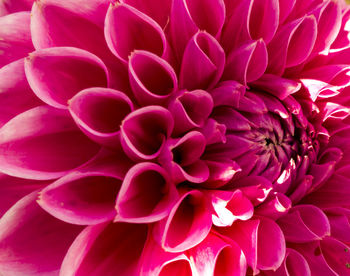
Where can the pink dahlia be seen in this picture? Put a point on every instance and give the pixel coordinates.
(174, 137)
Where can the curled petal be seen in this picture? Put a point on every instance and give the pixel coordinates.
(26, 226)
(202, 63)
(15, 93)
(292, 44)
(106, 249)
(144, 132)
(99, 113)
(221, 171)
(15, 40)
(276, 206)
(214, 132)
(187, 17)
(127, 29)
(57, 74)
(221, 258)
(152, 79)
(227, 93)
(36, 143)
(188, 223)
(246, 63)
(190, 110)
(82, 197)
(146, 195)
(304, 223)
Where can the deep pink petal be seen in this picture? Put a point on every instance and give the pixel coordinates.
(275, 206)
(43, 143)
(26, 232)
(12, 6)
(339, 220)
(57, 74)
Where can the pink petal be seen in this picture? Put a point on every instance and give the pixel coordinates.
(36, 144)
(15, 40)
(152, 79)
(304, 223)
(15, 96)
(57, 74)
(274, 207)
(227, 93)
(144, 131)
(12, 6)
(220, 172)
(188, 223)
(26, 232)
(127, 29)
(202, 63)
(214, 256)
(146, 195)
(99, 113)
(285, 7)
(246, 63)
(339, 220)
(190, 110)
(106, 249)
(82, 197)
(292, 44)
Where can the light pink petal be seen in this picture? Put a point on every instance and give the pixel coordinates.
(99, 113)
(144, 132)
(188, 17)
(43, 143)
(214, 256)
(304, 223)
(82, 197)
(227, 93)
(57, 74)
(246, 63)
(157, 261)
(292, 44)
(127, 29)
(188, 223)
(339, 219)
(15, 40)
(146, 195)
(15, 94)
(152, 79)
(12, 6)
(106, 249)
(26, 232)
(158, 10)
(275, 206)
(277, 86)
(202, 63)
(190, 110)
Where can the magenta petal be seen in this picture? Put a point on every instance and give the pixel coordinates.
(246, 63)
(15, 40)
(157, 261)
(190, 110)
(301, 35)
(127, 29)
(304, 223)
(144, 131)
(82, 197)
(57, 74)
(188, 223)
(106, 249)
(202, 63)
(99, 113)
(339, 220)
(26, 232)
(15, 93)
(274, 207)
(227, 93)
(146, 195)
(221, 258)
(12, 6)
(36, 144)
(152, 79)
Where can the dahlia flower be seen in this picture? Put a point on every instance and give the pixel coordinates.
(174, 137)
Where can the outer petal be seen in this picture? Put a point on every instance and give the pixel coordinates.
(187, 225)
(28, 236)
(99, 113)
(57, 74)
(36, 143)
(127, 29)
(106, 249)
(15, 40)
(144, 132)
(146, 195)
(15, 93)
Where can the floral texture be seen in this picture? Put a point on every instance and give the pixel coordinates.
(174, 137)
